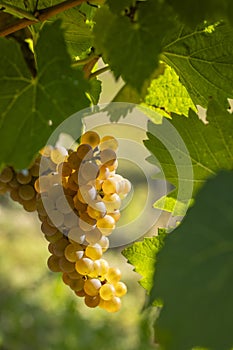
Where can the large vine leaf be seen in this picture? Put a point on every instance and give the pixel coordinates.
(203, 59)
(131, 42)
(194, 12)
(209, 146)
(29, 105)
(194, 273)
(142, 255)
(166, 94)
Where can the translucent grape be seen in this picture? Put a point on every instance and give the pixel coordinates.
(107, 291)
(113, 275)
(108, 142)
(92, 286)
(6, 175)
(91, 138)
(96, 210)
(53, 263)
(94, 251)
(65, 265)
(106, 225)
(112, 305)
(84, 266)
(26, 192)
(120, 289)
(92, 301)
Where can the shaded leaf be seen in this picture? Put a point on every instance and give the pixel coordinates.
(194, 273)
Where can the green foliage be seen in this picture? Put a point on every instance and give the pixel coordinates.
(168, 93)
(210, 148)
(143, 256)
(29, 103)
(203, 60)
(131, 39)
(196, 11)
(194, 273)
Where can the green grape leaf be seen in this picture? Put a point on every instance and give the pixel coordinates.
(94, 91)
(209, 146)
(142, 255)
(194, 273)
(29, 105)
(77, 32)
(132, 46)
(166, 94)
(194, 12)
(203, 60)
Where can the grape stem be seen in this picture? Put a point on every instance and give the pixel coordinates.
(38, 15)
(99, 71)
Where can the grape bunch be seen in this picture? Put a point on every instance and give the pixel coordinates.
(78, 202)
(20, 184)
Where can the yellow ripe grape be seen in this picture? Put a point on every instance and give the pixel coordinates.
(91, 138)
(112, 202)
(26, 192)
(94, 251)
(6, 175)
(93, 236)
(70, 252)
(107, 291)
(98, 184)
(112, 168)
(42, 184)
(59, 246)
(53, 263)
(96, 210)
(24, 178)
(125, 186)
(106, 225)
(112, 305)
(84, 152)
(84, 266)
(108, 142)
(92, 286)
(120, 289)
(73, 161)
(104, 173)
(113, 275)
(65, 265)
(58, 155)
(100, 269)
(110, 186)
(115, 215)
(92, 301)
(77, 284)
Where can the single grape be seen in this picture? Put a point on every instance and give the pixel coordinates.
(65, 265)
(120, 289)
(112, 305)
(70, 252)
(24, 178)
(6, 175)
(76, 284)
(92, 286)
(93, 236)
(113, 275)
(107, 291)
(26, 192)
(91, 138)
(73, 161)
(53, 263)
(92, 301)
(58, 155)
(84, 151)
(88, 171)
(108, 142)
(76, 235)
(59, 246)
(112, 202)
(84, 266)
(96, 210)
(106, 225)
(108, 157)
(94, 251)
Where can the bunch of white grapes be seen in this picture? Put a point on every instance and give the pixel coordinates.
(78, 202)
(20, 184)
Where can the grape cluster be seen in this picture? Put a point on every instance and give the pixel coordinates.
(20, 184)
(78, 202)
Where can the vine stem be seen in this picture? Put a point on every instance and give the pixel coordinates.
(99, 71)
(40, 16)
